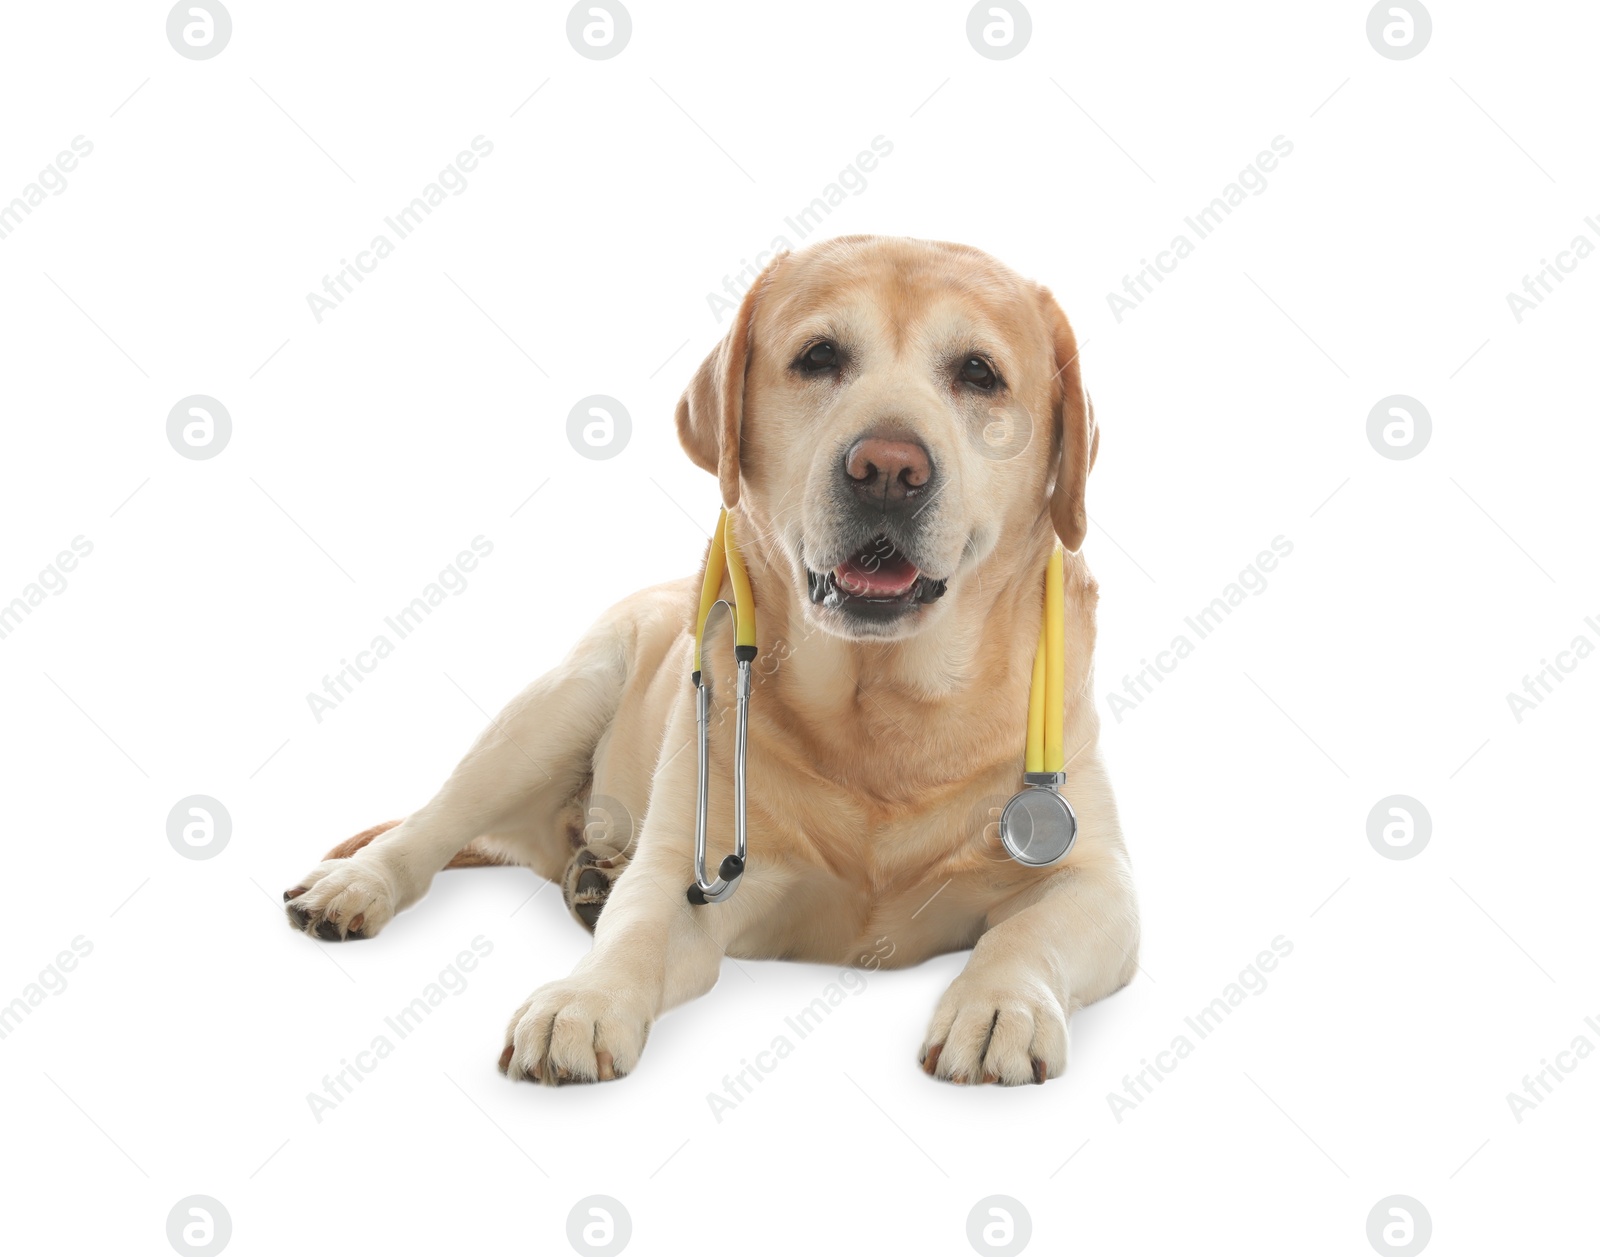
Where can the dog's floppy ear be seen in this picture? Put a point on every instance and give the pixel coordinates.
(711, 410)
(1080, 436)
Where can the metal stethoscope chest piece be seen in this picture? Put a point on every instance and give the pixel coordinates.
(1038, 825)
(724, 558)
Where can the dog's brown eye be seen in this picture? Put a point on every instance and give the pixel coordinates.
(822, 356)
(978, 373)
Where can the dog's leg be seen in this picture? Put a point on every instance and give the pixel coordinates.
(1076, 940)
(651, 952)
(521, 773)
(652, 948)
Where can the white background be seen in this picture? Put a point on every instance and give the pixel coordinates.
(369, 449)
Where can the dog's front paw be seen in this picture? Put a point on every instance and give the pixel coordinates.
(342, 899)
(575, 1031)
(995, 1031)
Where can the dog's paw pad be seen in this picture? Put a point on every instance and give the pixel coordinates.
(586, 885)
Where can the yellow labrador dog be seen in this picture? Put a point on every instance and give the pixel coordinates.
(900, 434)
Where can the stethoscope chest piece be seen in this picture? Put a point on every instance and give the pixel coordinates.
(1038, 826)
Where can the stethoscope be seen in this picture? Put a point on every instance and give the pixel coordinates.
(1037, 826)
(723, 558)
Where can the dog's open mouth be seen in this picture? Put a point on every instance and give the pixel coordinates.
(876, 580)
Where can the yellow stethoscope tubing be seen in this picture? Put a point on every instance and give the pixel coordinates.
(722, 560)
(1047, 693)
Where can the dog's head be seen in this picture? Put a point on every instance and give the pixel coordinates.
(888, 413)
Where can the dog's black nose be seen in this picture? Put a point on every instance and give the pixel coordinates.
(889, 470)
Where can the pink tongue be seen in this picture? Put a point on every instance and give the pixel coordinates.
(872, 577)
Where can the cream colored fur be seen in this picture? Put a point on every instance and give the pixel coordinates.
(878, 763)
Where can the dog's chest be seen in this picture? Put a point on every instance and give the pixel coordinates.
(881, 883)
